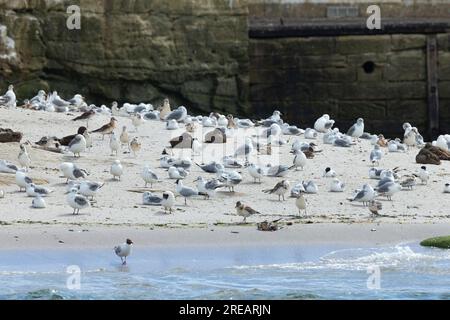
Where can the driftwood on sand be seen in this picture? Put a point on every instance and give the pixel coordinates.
(430, 154)
(7, 135)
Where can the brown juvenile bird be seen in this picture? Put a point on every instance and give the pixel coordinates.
(231, 123)
(164, 110)
(374, 207)
(382, 141)
(280, 189)
(85, 116)
(245, 211)
(107, 128)
(309, 153)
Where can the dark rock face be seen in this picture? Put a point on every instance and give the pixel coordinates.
(194, 52)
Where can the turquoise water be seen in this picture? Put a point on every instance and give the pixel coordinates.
(275, 272)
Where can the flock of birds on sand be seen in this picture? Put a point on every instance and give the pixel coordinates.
(80, 191)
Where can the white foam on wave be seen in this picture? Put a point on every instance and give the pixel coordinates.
(397, 257)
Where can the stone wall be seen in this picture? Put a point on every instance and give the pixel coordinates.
(381, 78)
(192, 51)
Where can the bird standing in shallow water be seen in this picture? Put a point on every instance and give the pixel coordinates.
(123, 250)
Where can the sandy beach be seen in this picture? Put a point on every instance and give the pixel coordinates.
(118, 211)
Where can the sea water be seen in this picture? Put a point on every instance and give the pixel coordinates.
(405, 271)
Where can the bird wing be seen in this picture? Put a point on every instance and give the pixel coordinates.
(102, 128)
(74, 141)
(117, 250)
(351, 130)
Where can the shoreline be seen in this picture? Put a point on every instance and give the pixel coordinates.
(77, 237)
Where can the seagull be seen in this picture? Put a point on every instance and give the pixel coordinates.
(124, 138)
(357, 129)
(310, 186)
(116, 169)
(300, 203)
(374, 207)
(246, 149)
(178, 114)
(230, 162)
(168, 201)
(291, 130)
(184, 191)
(329, 173)
(323, 124)
(375, 154)
(243, 123)
(274, 130)
(409, 137)
(256, 172)
(296, 189)
(164, 110)
(22, 180)
(279, 189)
(208, 187)
(177, 173)
(310, 133)
(9, 98)
(72, 172)
(447, 188)
(336, 185)
(408, 182)
(172, 124)
(149, 176)
(2, 194)
(388, 189)
(137, 121)
(277, 171)
(244, 211)
(423, 174)
(299, 160)
(123, 250)
(77, 145)
(196, 147)
(107, 128)
(89, 189)
(77, 101)
(212, 167)
(149, 198)
(135, 146)
(85, 116)
(7, 167)
(77, 201)
(365, 195)
(375, 173)
(24, 158)
(222, 121)
(114, 144)
(88, 139)
(34, 190)
(229, 178)
(38, 202)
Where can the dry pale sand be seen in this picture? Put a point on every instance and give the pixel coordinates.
(118, 211)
